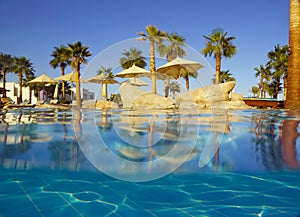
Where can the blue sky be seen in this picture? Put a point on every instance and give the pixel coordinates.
(32, 28)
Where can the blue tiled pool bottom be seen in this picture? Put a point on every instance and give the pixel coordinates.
(41, 192)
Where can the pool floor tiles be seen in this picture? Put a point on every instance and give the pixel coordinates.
(46, 194)
(69, 193)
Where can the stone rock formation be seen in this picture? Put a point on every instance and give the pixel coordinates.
(99, 104)
(133, 97)
(215, 96)
(210, 97)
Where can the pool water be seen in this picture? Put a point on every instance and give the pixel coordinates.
(158, 163)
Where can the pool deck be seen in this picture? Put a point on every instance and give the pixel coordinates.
(253, 102)
(264, 103)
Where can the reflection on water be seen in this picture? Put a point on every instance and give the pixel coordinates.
(232, 141)
(288, 138)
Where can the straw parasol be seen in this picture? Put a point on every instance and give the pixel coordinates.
(133, 72)
(104, 80)
(70, 77)
(136, 82)
(178, 66)
(43, 79)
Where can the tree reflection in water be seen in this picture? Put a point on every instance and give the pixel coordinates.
(288, 140)
(273, 134)
(266, 140)
(14, 137)
(275, 139)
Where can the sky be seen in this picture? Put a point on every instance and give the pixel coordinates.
(32, 28)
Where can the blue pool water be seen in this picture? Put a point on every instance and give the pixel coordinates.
(133, 163)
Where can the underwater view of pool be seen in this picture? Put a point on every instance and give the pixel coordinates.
(149, 163)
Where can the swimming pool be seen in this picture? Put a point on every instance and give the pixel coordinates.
(158, 163)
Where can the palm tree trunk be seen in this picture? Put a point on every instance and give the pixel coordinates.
(19, 100)
(284, 89)
(187, 83)
(293, 82)
(3, 82)
(152, 66)
(78, 95)
(30, 93)
(170, 56)
(260, 87)
(167, 87)
(63, 83)
(218, 68)
(276, 92)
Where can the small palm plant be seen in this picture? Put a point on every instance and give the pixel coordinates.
(254, 90)
(225, 76)
(107, 72)
(174, 88)
(132, 57)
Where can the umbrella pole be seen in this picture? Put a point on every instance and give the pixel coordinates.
(38, 94)
(106, 94)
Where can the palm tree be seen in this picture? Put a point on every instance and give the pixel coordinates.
(61, 58)
(174, 87)
(293, 80)
(22, 66)
(78, 54)
(225, 76)
(174, 48)
(154, 36)
(219, 45)
(132, 57)
(274, 88)
(254, 90)
(263, 72)
(6, 62)
(29, 77)
(278, 61)
(186, 75)
(107, 71)
(266, 88)
(171, 51)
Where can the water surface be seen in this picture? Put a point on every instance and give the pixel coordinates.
(158, 163)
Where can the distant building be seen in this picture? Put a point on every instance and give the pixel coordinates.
(13, 92)
(85, 94)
